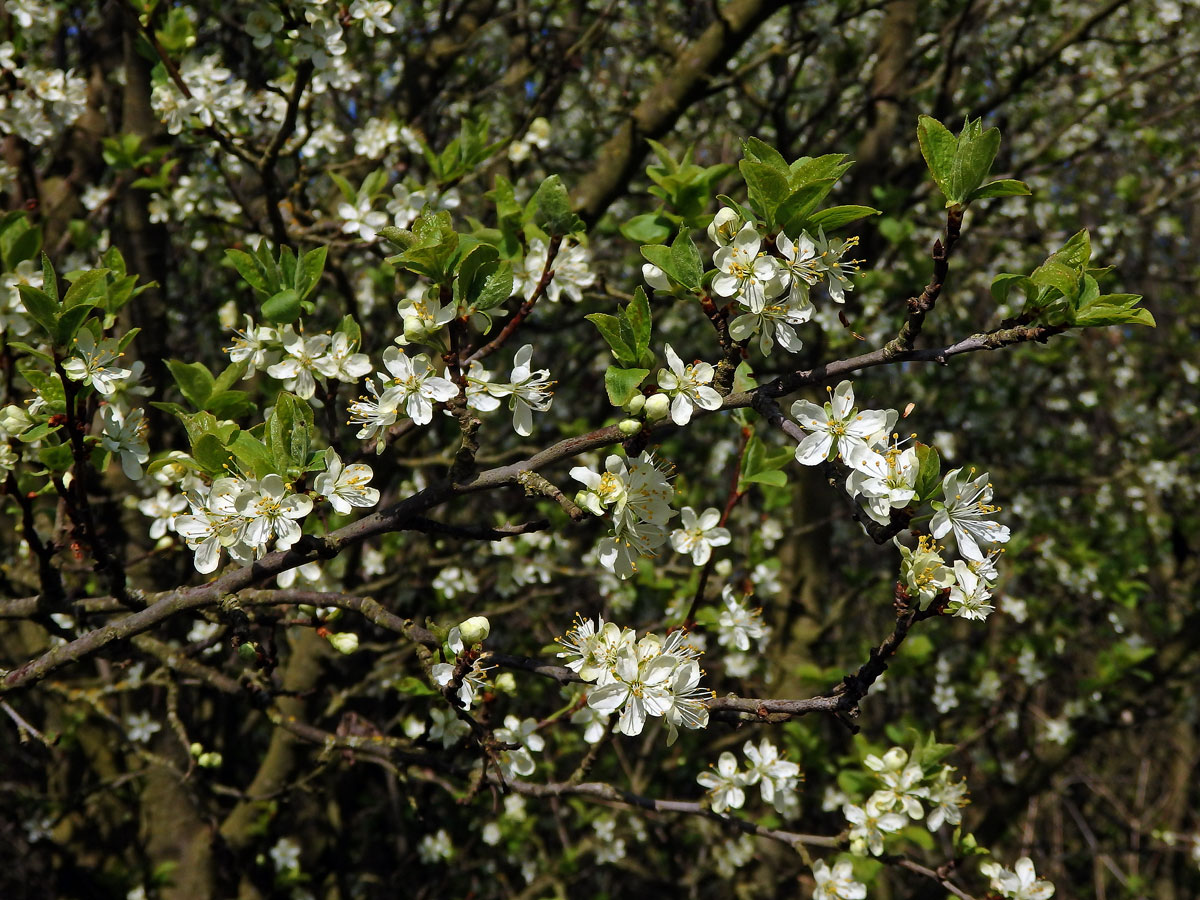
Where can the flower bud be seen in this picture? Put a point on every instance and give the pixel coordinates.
(196, 749)
(506, 683)
(474, 630)
(14, 420)
(657, 406)
(344, 641)
(210, 760)
(629, 427)
(635, 404)
(248, 651)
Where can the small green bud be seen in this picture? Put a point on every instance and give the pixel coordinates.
(209, 760)
(344, 642)
(474, 630)
(248, 651)
(657, 407)
(196, 749)
(629, 427)
(635, 404)
(506, 683)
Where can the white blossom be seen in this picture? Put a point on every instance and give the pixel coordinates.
(688, 387)
(699, 534)
(345, 487)
(726, 786)
(838, 427)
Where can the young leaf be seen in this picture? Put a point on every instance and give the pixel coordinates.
(610, 330)
(553, 204)
(622, 384)
(687, 267)
(282, 308)
(1005, 187)
(837, 216)
(83, 286)
(194, 380)
(939, 147)
(929, 472)
(638, 315)
(250, 268)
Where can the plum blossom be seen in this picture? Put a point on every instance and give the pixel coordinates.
(272, 512)
(93, 363)
(965, 511)
(413, 383)
(699, 534)
(688, 387)
(837, 883)
(838, 427)
(745, 274)
(345, 487)
(1022, 884)
(125, 435)
(726, 786)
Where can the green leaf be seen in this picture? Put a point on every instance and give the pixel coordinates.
(212, 455)
(766, 187)
(1003, 284)
(973, 159)
(251, 270)
(1005, 187)
(622, 384)
(81, 289)
(308, 273)
(638, 315)
(761, 152)
(1077, 251)
(56, 457)
(348, 193)
(69, 323)
(42, 307)
(809, 170)
(1055, 274)
(939, 147)
(31, 350)
(553, 204)
(472, 261)
(837, 216)
(229, 376)
(794, 212)
(287, 265)
(194, 380)
(610, 330)
(49, 279)
(929, 473)
(686, 264)
(253, 455)
(497, 288)
(230, 404)
(37, 432)
(282, 308)
(648, 228)
(289, 433)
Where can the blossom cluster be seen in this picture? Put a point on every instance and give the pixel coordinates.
(300, 361)
(774, 289)
(775, 776)
(38, 104)
(243, 516)
(905, 788)
(638, 496)
(884, 474)
(651, 676)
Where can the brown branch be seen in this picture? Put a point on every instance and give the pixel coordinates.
(400, 515)
(607, 793)
(660, 108)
